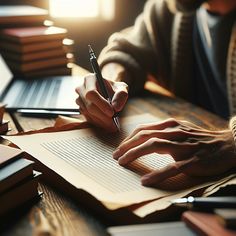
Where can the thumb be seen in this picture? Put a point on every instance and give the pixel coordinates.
(120, 96)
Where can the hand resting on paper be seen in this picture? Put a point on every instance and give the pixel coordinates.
(95, 108)
(196, 151)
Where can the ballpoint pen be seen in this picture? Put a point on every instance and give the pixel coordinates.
(101, 84)
(206, 202)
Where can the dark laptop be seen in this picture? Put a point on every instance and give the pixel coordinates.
(55, 93)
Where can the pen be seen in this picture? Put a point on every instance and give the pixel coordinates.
(42, 112)
(206, 202)
(102, 86)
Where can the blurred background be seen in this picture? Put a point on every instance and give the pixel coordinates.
(87, 21)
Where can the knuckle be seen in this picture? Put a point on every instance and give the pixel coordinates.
(140, 127)
(153, 142)
(143, 134)
(88, 77)
(90, 107)
(90, 94)
(173, 121)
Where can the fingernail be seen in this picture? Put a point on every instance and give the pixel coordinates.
(116, 154)
(122, 161)
(145, 180)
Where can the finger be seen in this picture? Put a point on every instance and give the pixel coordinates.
(157, 176)
(154, 126)
(80, 103)
(145, 135)
(179, 151)
(104, 122)
(120, 96)
(94, 97)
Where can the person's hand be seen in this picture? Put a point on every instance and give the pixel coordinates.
(95, 107)
(196, 151)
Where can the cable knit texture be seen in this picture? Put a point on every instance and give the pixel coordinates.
(160, 44)
(232, 126)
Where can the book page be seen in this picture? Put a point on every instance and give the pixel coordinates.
(84, 158)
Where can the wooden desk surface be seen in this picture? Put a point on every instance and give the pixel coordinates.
(56, 214)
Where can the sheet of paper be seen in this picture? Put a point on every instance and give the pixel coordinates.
(230, 180)
(84, 158)
(165, 202)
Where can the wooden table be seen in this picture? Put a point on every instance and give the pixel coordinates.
(56, 214)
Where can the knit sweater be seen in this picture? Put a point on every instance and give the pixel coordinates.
(160, 44)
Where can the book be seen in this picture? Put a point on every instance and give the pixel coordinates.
(4, 127)
(32, 56)
(2, 110)
(22, 14)
(3, 123)
(19, 194)
(9, 154)
(36, 65)
(31, 47)
(15, 172)
(35, 34)
(205, 224)
(53, 71)
(226, 217)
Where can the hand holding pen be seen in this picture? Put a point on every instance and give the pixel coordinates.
(101, 83)
(100, 99)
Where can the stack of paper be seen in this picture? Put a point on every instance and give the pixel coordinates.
(82, 159)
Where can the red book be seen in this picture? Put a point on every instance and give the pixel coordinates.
(2, 110)
(4, 127)
(22, 14)
(206, 224)
(33, 34)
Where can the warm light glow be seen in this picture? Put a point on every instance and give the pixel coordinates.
(82, 8)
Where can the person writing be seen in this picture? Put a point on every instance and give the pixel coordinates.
(189, 46)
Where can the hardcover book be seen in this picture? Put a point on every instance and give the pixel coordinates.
(4, 127)
(18, 181)
(21, 193)
(31, 47)
(33, 34)
(27, 57)
(22, 14)
(205, 224)
(36, 65)
(9, 154)
(2, 110)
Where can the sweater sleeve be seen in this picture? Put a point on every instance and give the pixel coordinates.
(232, 126)
(134, 48)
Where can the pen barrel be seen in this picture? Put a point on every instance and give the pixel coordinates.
(100, 79)
(216, 202)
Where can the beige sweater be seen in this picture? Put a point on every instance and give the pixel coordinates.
(160, 44)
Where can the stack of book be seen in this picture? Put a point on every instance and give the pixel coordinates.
(30, 47)
(36, 51)
(18, 180)
(3, 123)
